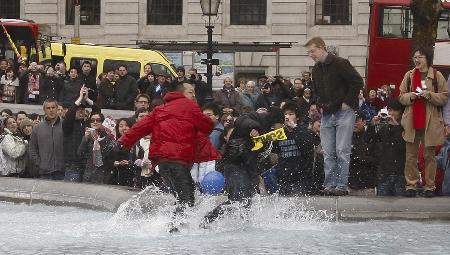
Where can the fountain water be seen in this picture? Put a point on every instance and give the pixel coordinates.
(272, 225)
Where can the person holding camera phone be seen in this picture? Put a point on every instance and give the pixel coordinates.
(386, 130)
(74, 126)
(97, 151)
(423, 92)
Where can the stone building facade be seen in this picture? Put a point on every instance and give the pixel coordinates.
(121, 22)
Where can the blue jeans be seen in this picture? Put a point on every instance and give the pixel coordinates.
(336, 138)
(72, 173)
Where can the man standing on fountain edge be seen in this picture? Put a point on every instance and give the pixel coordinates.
(337, 85)
(179, 132)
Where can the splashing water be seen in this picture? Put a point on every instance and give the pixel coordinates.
(272, 225)
(153, 210)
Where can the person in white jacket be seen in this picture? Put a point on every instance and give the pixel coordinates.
(13, 155)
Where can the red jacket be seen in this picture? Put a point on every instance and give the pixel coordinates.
(179, 131)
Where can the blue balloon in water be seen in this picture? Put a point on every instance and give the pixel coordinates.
(270, 179)
(213, 183)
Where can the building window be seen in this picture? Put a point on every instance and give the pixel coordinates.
(333, 12)
(248, 12)
(10, 9)
(164, 12)
(89, 12)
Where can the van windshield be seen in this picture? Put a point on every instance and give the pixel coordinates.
(158, 68)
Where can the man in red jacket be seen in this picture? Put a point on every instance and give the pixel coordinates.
(179, 138)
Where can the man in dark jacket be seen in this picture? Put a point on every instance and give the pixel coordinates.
(159, 88)
(179, 129)
(74, 125)
(46, 145)
(295, 169)
(240, 163)
(387, 134)
(337, 85)
(125, 90)
(203, 93)
(30, 82)
(362, 161)
(87, 78)
(266, 99)
(71, 88)
(51, 86)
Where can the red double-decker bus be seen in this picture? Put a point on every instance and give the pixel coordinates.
(23, 35)
(390, 40)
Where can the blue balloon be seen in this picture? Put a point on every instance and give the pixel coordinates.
(270, 179)
(213, 183)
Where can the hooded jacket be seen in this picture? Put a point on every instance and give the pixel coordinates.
(179, 131)
(14, 151)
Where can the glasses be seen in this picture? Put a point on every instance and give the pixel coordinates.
(96, 120)
(418, 57)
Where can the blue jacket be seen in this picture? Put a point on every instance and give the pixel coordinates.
(442, 162)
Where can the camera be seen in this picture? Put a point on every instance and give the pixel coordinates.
(384, 116)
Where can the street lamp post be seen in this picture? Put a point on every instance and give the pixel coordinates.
(209, 8)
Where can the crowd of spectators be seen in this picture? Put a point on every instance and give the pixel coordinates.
(71, 143)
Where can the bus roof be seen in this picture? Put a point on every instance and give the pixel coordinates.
(18, 23)
(402, 2)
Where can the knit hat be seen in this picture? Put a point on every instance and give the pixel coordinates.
(25, 122)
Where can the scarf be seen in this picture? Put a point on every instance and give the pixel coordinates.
(418, 106)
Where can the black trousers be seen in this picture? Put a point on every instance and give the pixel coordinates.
(241, 186)
(178, 180)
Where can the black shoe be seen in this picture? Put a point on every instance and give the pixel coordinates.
(328, 191)
(428, 193)
(410, 193)
(340, 192)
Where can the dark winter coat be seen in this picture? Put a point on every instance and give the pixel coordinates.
(143, 84)
(336, 81)
(92, 173)
(362, 170)
(90, 82)
(106, 95)
(50, 88)
(73, 131)
(156, 90)
(22, 94)
(392, 148)
(125, 92)
(70, 91)
(176, 128)
(265, 101)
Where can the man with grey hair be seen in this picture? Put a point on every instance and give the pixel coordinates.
(249, 95)
(228, 98)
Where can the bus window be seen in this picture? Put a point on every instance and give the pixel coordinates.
(133, 67)
(443, 32)
(158, 68)
(77, 62)
(396, 22)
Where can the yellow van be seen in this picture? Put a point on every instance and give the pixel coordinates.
(104, 58)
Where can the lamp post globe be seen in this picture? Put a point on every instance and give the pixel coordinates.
(210, 7)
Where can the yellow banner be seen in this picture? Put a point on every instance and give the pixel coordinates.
(276, 135)
(11, 43)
